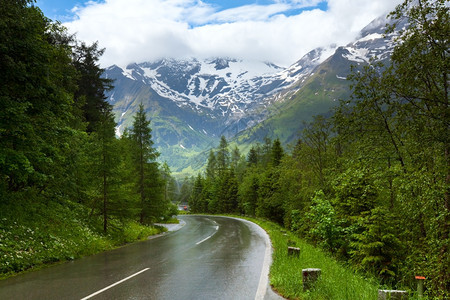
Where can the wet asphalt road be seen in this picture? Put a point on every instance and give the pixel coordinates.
(209, 258)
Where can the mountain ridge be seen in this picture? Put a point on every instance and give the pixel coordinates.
(192, 102)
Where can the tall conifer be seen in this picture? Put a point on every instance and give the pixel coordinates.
(144, 161)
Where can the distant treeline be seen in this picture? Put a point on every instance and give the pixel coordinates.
(57, 131)
(370, 184)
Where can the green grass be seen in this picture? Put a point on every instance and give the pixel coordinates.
(171, 220)
(34, 235)
(336, 281)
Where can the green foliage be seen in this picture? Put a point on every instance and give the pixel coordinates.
(222, 157)
(185, 190)
(149, 183)
(211, 168)
(376, 247)
(370, 184)
(252, 157)
(90, 94)
(35, 98)
(277, 153)
(248, 193)
(67, 185)
(325, 226)
(270, 200)
(355, 193)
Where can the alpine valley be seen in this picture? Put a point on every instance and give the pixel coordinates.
(193, 102)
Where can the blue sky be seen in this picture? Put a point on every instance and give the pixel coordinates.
(62, 9)
(57, 9)
(277, 31)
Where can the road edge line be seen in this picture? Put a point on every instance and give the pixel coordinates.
(264, 278)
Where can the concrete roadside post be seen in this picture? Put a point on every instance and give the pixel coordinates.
(309, 277)
(294, 251)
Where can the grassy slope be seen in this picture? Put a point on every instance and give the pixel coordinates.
(33, 235)
(336, 282)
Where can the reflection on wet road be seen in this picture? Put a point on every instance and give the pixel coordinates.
(209, 258)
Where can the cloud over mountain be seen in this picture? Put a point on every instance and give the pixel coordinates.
(280, 31)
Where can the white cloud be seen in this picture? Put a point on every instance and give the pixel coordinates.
(142, 30)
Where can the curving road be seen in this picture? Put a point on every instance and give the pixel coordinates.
(209, 258)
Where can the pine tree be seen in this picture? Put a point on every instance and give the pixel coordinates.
(266, 152)
(128, 206)
(169, 183)
(235, 158)
(90, 95)
(277, 152)
(186, 190)
(144, 162)
(252, 157)
(211, 167)
(196, 201)
(223, 156)
(105, 163)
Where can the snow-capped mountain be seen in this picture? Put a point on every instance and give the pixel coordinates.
(222, 88)
(220, 83)
(373, 43)
(192, 102)
(319, 89)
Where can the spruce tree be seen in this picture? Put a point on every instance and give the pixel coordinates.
(105, 162)
(252, 157)
(144, 161)
(211, 167)
(277, 152)
(235, 158)
(223, 156)
(90, 95)
(196, 199)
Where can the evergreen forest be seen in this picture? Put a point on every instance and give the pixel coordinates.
(68, 186)
(370, 183)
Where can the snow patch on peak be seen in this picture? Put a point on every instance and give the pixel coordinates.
(127, 71)
(357, 54)
(371, 37)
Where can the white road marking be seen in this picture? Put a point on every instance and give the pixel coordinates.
(264, 278)
(114, 284)
(216, 227)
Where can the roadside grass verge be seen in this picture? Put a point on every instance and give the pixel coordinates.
(171, 220)
(336, 281)
(35, 235)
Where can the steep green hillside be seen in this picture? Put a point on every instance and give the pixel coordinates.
(318, 95)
